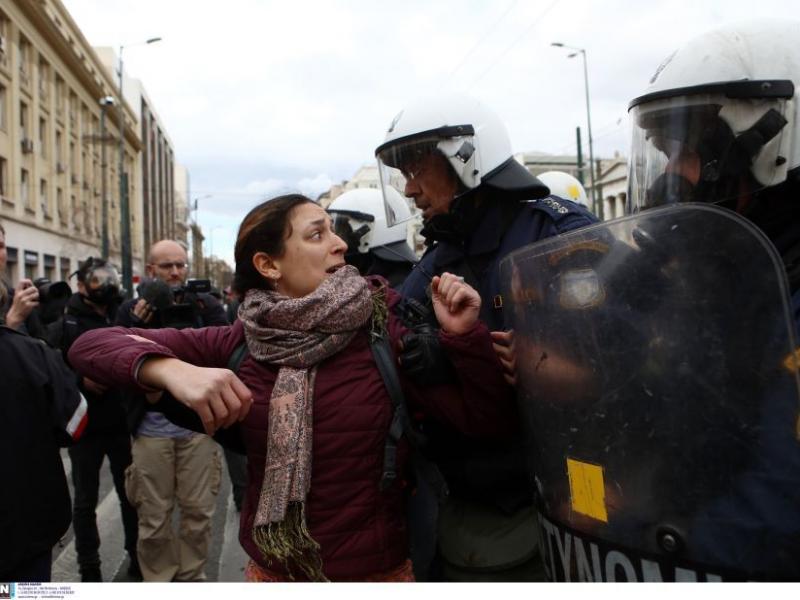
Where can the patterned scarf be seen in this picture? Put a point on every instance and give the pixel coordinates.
(297, 334)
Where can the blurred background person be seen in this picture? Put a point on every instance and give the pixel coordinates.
(42, 411)
(95, 306)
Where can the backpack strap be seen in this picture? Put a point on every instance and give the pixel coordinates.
(401, 424)
(237, 356)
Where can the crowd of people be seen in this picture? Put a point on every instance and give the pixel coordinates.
(373, 407)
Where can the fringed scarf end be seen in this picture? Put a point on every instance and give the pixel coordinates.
(290, 542)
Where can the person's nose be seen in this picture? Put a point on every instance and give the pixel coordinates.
(411, 188)
(339, 245)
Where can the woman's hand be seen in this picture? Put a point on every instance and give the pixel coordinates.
(455, 303)
(218, 396)
(503, 344)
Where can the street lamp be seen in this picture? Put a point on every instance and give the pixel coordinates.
(105, 102)
(124, 204)
(598, 206)
(211, 252)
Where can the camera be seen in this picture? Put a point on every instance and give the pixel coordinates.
(174, 307)
(53, 297)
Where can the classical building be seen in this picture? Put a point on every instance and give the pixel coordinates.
(611, 176)
(58, 112)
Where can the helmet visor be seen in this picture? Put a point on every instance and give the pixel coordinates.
(702, 148)
(407, 164)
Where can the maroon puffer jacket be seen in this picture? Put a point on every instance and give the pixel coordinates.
(360, 528)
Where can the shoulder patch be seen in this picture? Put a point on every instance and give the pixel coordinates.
(551, 202)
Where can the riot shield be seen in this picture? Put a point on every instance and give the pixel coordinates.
(658, 389)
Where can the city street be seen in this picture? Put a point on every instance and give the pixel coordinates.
(226, 557)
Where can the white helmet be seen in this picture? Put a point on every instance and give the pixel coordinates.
(564, 186)
(728, 99)
(359, 219)
(470, 136)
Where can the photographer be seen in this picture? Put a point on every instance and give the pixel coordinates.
(18, 302)
(94, 307)
(171, 464)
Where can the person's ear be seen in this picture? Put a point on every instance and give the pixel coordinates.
(266, 267)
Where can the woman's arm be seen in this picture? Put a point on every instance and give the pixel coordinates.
(184, 362)
(218, 396)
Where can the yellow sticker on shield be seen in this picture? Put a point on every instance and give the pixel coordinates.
(587, 489)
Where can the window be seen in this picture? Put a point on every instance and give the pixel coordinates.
(23, 120)
(11, 266)
(3, 178)
(44, 79)
(73, 108)
(43, 200)
(3, 39)
(65, 268)
(24, 192)
(60, 88)
(43, 136)
(3, 111)
(60, 167)
(50, 267)
(60, 206)
(24, 60)
(31, 264)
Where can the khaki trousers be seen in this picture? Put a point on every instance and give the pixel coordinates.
(165, 471)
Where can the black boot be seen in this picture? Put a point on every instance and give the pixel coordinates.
(91, 574)
(133, 567)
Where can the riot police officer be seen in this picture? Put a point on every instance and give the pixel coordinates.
(452, 157)
(682, 461)
(372, 246)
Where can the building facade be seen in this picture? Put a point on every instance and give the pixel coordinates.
(611, 177)
(159, 213)
(54, 183)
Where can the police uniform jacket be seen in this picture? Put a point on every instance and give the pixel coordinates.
(491, 472)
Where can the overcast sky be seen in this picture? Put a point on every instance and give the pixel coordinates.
(261, 97)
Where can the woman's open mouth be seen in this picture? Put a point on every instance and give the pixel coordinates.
(335, 268)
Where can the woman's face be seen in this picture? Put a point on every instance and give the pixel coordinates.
(311, 253)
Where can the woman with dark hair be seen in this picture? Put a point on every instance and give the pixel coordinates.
(309, 404)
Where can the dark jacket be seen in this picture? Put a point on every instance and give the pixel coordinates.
(41, 410)
(208, 312)
(495, 471)
(361, 529)
(106, 411)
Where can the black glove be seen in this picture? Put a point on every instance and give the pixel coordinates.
(422, 358)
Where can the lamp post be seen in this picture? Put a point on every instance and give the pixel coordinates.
(105, 102)
(211, 252)
(124, 204)
(597, 204)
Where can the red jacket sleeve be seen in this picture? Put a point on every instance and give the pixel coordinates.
(481, 403)
(111, 357)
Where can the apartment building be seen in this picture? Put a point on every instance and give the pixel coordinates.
(53, 183)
